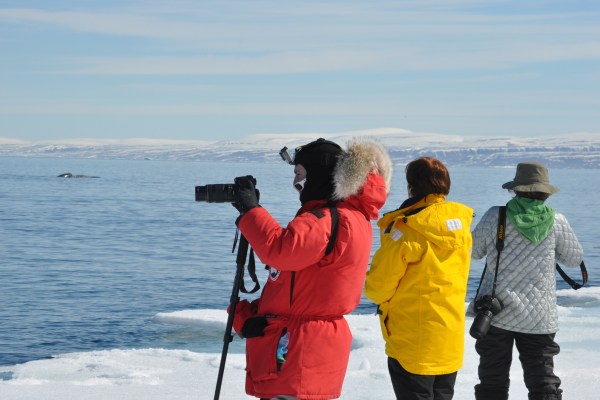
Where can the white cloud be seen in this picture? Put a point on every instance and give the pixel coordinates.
(434, 36)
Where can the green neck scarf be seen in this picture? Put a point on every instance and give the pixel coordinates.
(532, 218)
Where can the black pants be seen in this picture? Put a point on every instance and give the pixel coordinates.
(536, 353)
(409, 386)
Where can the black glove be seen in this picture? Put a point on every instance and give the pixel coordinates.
(245, 195)
(254, 327)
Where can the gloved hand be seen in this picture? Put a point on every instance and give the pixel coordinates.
(243, 311)
(254, 327)
(246, 195)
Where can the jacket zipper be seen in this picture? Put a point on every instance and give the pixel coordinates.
(292, 287)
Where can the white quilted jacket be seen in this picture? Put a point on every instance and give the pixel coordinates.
(527, 273)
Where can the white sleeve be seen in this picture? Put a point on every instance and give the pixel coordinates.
(568, 249)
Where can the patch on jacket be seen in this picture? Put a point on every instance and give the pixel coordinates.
(454, 224)
(274, 273)
(396, 234)
(317, 214)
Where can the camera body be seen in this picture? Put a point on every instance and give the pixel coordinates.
(218, 192)
(485, 308)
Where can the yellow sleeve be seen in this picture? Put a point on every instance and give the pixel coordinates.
(387, 268)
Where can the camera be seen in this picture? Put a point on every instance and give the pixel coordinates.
(485, 308)
(218, 192)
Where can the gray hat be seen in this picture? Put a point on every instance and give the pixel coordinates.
(531, 177)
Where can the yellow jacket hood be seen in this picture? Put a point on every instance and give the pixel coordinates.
(425, 218)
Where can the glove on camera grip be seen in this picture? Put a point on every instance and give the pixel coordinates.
(245, 194)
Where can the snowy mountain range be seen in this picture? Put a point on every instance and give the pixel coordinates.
(578, 150)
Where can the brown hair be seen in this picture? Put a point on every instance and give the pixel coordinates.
(533, 195)
(427, 175)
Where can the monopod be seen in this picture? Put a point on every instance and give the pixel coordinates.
(238, 285)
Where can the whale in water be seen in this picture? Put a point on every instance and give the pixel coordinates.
(70, 175)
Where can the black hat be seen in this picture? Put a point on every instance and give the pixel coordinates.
(319, 159)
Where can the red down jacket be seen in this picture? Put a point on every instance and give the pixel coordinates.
(308, 294)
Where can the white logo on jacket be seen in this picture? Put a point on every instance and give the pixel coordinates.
(454, 224)
(396, 234)
(274, 273)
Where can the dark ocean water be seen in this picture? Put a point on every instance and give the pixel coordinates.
(87, 263)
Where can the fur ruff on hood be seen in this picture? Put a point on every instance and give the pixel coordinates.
(356, 163)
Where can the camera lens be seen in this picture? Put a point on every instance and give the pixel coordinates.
(200, 193)
(217, 193)
(481, 324)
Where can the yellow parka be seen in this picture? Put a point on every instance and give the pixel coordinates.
(418, 277)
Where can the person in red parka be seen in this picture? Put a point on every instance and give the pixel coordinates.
(298, 341)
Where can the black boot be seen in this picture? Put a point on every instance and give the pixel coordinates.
(546, 396)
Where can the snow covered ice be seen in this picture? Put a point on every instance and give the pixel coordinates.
(153, 374)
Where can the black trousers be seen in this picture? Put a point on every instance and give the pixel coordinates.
(536, 354)
(408, 386)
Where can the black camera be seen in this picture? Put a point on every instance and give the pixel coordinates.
(218, 192)
(485, 308)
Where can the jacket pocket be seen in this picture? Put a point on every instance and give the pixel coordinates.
(383, 319)
(261, 352)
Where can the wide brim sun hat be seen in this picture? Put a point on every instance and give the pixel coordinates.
(531, 177)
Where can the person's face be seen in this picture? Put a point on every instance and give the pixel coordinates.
(299, 177)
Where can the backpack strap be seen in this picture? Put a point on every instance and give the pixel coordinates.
(335, 217)
(334, 229)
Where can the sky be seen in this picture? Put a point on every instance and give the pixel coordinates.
(218, 70)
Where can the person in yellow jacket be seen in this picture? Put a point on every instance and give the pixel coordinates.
(418, 279)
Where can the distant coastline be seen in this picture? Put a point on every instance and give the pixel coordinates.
(581, 150)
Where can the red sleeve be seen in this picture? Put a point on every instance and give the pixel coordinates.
(300, 245)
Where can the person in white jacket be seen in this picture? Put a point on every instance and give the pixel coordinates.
(536, 238)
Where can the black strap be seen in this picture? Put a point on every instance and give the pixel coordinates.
(570, 281)
(500, 234)
(242, 252)
(334, 228)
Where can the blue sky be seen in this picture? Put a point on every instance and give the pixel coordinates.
(211, 70)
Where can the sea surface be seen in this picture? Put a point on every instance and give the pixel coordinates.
(86, 263)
